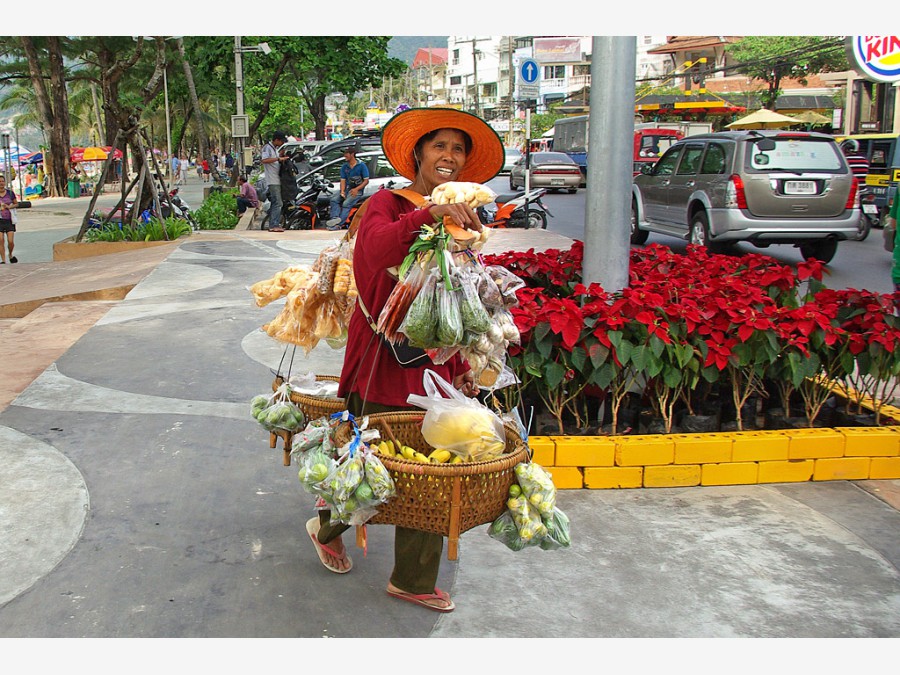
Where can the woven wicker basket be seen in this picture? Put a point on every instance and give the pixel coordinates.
(446, 499)
(313, 407)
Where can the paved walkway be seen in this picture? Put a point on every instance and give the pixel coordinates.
(140, 499)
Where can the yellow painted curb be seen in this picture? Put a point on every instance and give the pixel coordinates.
(732, 458)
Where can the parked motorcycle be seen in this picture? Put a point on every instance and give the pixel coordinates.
(181, 209)
(304, 212)
(869, 216)
(510, 210)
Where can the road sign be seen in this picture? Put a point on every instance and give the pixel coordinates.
(528, 71)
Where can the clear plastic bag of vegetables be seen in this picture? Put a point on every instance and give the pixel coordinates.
(421, 320)
(278, 411)
(475, 317)
(402, 296)
(504, 530)
(379, 478)
(449, 329)
(316, 465)
(537, 487)
(507, 282)
(527, 519)
(557, 536)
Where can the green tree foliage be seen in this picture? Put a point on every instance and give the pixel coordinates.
(771, 58)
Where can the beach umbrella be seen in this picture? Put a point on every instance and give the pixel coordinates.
(33, 158)
(811, 117)
(764, 119)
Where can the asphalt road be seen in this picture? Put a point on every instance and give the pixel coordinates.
(858, 264)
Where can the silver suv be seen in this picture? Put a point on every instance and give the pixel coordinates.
(762, 187)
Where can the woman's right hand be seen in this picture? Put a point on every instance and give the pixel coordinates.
(462, 214)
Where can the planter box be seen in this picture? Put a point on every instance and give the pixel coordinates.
(68, 249)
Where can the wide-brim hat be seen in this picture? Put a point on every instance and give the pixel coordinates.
(403, 131)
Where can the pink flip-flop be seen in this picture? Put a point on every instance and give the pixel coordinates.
(312, 528)
(423, 599)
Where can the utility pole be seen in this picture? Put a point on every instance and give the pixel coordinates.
(512, 87)
(610, 137)
(475, 53)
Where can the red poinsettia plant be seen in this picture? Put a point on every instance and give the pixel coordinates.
(685, 319)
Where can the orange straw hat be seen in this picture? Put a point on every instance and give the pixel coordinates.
(403, 131)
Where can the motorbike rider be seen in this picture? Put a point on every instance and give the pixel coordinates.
(354, 178)
(859, 165)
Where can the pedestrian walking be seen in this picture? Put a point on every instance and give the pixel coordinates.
(8, 207)
(429, 147)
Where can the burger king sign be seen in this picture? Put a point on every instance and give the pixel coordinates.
(877, 57)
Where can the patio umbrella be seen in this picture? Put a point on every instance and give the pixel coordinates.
(94, 153)
(33, 158)
(811, 117)
(764, 119)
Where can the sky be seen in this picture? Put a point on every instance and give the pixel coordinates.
(460, 17)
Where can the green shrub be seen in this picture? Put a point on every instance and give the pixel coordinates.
(218, 211)
(152, 231)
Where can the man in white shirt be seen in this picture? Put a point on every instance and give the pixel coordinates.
(271, 162)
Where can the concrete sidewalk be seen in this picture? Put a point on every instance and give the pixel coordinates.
(140, 499)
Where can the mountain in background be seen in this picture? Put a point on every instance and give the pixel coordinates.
(404, 47)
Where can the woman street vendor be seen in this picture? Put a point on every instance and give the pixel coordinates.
(429, 146)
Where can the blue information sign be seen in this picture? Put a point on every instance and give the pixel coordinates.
(529, 71)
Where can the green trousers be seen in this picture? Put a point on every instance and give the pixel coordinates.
(417, 554)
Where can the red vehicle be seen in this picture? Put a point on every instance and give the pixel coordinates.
(649, 144)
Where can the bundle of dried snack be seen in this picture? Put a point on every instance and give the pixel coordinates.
(343, 277)
(326, 265)
(455, 192)
(280, 285)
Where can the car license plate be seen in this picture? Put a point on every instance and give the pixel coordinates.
(799, 187)
(557, 181)
(870, 208)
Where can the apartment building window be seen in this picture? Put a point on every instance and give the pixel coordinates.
(554, 72)
(581, 69)
(455, 80)
(455, 61)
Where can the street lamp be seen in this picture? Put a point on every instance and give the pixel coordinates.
(240, 127)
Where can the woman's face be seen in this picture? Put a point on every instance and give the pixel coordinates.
(442, 158)
(2, 183)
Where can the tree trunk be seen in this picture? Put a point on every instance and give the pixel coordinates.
(195, 103)
(53, 107)
(101, 130)
(317, 110)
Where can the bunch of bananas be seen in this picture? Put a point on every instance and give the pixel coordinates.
(389, 448)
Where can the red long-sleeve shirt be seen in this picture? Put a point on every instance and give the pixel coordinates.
(387, 230)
